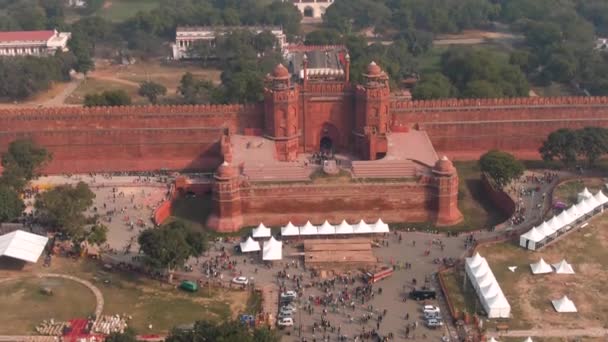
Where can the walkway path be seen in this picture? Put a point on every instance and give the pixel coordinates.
(587, 332)
(59, 99)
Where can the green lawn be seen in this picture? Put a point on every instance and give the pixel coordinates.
(120, 10)
(93, 85)
(24, 305)
(463, 298)
(153, 303)
(567, 192)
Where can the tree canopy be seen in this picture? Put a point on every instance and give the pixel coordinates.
(11, 205)
(21, 162)
(63, 208)
(223, 332)
(151, 90)
(110, 98)
(501, 167)
(567, 145)
(171, 245)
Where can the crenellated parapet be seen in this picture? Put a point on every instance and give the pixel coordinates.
(327, 87)
(132, 110)
(502, 102)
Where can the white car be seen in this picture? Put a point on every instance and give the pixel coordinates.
(289, 307)
(434, 323)
(289, 295)
(286, 311)
(431, 309)
(240, 280)
(285, 322)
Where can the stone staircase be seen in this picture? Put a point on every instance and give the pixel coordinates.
(384, 169)
(283, 172)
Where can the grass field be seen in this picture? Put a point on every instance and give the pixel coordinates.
(24, 305)
(149, 302)
(530, 296)
(119, 10)
(567, 192)
(93, 85)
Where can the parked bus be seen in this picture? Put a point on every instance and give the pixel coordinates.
(379, 275)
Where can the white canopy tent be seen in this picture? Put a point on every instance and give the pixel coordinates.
(250, 245)
(273, 250)
(567, 219)
(362, 228)
(541, 267)
(380, 227)
(583, 195)
(290, 230)
(492, 339)
(531, 238)
(563, 267)
(261, 231)
(564, 304)
(487, 288)
(344, 228)
(326, 229)
(308, 229)
(529, 339)
(22, 245)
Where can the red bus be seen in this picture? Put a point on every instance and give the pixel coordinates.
(379, 275)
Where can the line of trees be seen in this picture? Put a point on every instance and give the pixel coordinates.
(571, 146)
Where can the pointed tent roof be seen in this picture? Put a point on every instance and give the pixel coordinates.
(362, 228)
(490, 290)
(326, 229)
(273, 250)
(344, 228)
(481, 269)
(563, 267)
(290, 230)
(261, 231)
(541, 267)
(485, 280)
(566, 218)
(583, 208)
(574, 212)
(533, 235)
(498, 301)
(250, 245)
(529, 339)
(600, 197)
(584, 194)
(592, 202)
(555, 222)
(564, 304)
(380, 227)
(546, 229)
(308, 229)
(492, 339)
(475, 260)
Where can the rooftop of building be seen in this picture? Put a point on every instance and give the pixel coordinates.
(17, 36)
(324, 58)
(225, 28)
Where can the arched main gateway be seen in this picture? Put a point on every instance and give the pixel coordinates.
(329, 138)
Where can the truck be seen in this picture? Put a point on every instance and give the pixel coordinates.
(373, 277)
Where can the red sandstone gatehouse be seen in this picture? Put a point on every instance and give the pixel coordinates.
(394, 168)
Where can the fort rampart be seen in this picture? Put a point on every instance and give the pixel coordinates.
(185, 137)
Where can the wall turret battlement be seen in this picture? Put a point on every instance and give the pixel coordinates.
(502, 102)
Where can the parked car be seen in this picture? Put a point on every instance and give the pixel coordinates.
(240, 280)
(430, 308)
(432, 315)
(434, 323)
(290, 295)
(422, 294)
(284, 314)
(286, 310)
(289, 307)
(285, 322)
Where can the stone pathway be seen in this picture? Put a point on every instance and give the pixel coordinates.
(587, 332)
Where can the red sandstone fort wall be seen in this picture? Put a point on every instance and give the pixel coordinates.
(465, 129)
(129, 138)
(393, 202)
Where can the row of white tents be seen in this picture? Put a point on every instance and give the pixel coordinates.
(272, 250)
(587, 206)
(328, 229)
(542, 267)
(486, 286)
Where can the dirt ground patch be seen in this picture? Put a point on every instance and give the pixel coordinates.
(96, 85)
(473, 37)
(530, 295)
(168, 75)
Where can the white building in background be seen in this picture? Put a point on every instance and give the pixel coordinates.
(35, 43)
(185, 37)
(312, 9)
